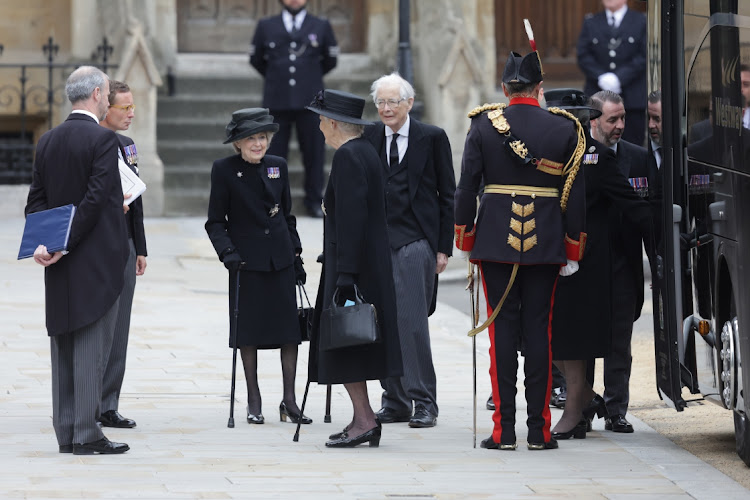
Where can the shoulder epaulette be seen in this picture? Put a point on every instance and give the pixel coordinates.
(574, 163)
(486, 107)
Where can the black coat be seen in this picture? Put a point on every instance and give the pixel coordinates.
(622, 51)
(549, 234)
(432, 182)
(292, 65)
(240, 212)
(355, 241)
(633, 163)
(581, 320)
(134, 217)
(76, 162)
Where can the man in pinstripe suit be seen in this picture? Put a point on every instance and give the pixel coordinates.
(76, 163)
(120, 114)
(420, 185)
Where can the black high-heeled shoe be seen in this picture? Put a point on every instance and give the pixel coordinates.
(285, 413)
(254, 419)
(578, 432)
(595, 407)
(338, 435)
(372, 436)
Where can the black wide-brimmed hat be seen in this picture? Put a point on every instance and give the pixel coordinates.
(249, 121)
(340, 106)
(523, 69)
(570, 99)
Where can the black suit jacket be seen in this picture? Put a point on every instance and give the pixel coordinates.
(596, 44)
(76, 162)
(583, 301)
(632, 161)
(134, 217)
(293, 65)
(432, 182)
(240, 212)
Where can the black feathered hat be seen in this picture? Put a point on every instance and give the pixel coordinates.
(524, 69)
(340, 106)
(572, 100)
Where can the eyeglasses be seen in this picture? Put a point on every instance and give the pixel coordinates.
(392, 103)
(127, 109)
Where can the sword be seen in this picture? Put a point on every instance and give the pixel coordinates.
(470, 288)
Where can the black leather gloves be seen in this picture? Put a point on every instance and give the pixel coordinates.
(299, 271)
(232, 261)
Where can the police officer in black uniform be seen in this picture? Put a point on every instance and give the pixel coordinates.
(612, 54)
(293, 51)
(529, 229)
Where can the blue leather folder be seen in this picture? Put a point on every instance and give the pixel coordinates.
(50, 228)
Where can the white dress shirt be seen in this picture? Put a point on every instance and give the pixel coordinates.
(402, 141)
(293, 21)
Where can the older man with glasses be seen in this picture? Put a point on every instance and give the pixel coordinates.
(420, 184)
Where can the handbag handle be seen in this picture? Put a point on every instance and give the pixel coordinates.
(300, 291)
(358, 299)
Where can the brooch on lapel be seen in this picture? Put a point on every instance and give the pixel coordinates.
(274, 210)
(239, 174)
(131, 154)
(273, 172)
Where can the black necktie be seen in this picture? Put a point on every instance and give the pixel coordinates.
(611, 19)
(393, 156)
(294, 27)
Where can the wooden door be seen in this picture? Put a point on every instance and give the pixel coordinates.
(228, 25)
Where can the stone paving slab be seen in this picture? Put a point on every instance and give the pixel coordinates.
(177, 388)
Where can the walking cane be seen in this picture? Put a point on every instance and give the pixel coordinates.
(301, 411)
(233, 332)
(470, 288)
(327, 418)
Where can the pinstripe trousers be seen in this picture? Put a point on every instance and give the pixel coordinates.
(114, 360)
(414, 279)
(77, 371)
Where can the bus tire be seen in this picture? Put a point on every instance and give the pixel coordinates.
(742, 436)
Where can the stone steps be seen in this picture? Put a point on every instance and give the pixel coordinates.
(207, 88)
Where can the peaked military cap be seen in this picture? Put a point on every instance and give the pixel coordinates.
(523, 69)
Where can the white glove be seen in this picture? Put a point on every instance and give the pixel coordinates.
(610, 81)
(464, 254)
(569, 269)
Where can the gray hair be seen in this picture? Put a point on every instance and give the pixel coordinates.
(406, 91)
(269, 136)
(82, 82)
(354, 129)
(598, 99)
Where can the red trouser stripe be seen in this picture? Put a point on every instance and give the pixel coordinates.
(497, 431)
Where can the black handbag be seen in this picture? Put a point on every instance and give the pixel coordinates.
(348, 326)
(304, 313)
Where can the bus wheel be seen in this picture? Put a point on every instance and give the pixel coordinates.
(742, 436)
(728, 356)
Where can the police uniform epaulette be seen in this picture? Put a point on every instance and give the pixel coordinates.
(486, 107)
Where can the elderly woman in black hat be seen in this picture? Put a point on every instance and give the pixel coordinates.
(356, 252)
(251, 227)
(583, 304)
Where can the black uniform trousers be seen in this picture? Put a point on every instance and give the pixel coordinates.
(311, 144)
(526, 315)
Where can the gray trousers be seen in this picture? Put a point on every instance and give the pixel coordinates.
(618, 364)
(77, 370)
(414, 279)
(114, 371)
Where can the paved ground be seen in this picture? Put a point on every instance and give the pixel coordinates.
(177, 388)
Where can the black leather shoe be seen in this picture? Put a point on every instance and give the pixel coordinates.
(66, 448)
(315, 212)
(372, 436)
(558, 398)
(103, 447)
(111, 418)
(422, 418)
(578, 432)
(285, 413)
(490, 444)
(617, 423)
(595, 407)
(388, 416)
(254, 419)
(490, 405)
(338, 435)
(549, 445)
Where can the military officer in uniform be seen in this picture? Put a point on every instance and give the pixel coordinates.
(612, 54)
(529, 229)
(293, 51)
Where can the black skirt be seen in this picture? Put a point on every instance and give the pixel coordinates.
(267, 309)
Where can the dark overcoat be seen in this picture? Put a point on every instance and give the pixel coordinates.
(292, 65)
(581, 320)
(76, 162)
(355, 241)
(134, 217)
